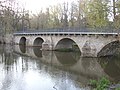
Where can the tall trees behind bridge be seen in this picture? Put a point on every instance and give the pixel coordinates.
(78, 14)
(81, 13)
(12, 17)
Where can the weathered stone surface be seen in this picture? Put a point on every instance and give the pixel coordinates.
(89, 46)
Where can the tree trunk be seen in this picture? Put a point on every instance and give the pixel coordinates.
(114, 11)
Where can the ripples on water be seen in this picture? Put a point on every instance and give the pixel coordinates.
(24, 68)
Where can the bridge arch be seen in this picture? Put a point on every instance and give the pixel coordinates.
(22, 41)
(38, 42)
(110, 49)
(67, 44)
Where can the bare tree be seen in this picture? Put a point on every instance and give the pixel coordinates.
(65, 15)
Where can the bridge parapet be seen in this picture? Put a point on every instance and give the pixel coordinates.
(76, 29)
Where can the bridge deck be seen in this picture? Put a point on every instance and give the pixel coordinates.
(83, 31)
(65, 33)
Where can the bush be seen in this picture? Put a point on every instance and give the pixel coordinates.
(101, 84)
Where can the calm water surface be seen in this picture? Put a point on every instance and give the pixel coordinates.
(24, 68)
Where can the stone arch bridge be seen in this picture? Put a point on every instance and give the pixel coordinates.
(90, 44)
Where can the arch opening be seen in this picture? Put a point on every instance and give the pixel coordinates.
(111, 49)
(67, 45)
(22, 44)
(22, 41)
(38, 42)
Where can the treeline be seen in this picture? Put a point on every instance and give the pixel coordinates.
(78, 14)
(12, 17)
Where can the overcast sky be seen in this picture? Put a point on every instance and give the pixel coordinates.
(36, 5)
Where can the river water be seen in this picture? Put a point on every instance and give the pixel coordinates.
(27, 68)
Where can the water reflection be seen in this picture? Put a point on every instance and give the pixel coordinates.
(49, 72)
(89, 67)
(25, 73)
(111, 66)
(22, 48)
(67, 58)
(37, 51)
(73, 61)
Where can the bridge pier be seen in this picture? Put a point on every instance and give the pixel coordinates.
(47, 46)
(88, 51)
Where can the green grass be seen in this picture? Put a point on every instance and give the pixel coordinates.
(101, 84)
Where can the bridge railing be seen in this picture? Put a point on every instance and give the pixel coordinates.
(101, 30)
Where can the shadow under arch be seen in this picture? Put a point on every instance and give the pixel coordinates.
(67, 58)
(67, 44)
(111, 49)
(22, 41)
(38, 42)
(22, 44)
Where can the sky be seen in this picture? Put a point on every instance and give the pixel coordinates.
(36, 5)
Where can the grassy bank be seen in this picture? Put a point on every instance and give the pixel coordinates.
(103, 84)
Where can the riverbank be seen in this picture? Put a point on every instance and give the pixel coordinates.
(7, 39)
(104, 84)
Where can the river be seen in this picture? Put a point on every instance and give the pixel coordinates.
(29, 68)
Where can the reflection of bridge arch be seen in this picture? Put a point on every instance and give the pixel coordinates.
(77, 65)
(109, 49)
(37, 51)
(22, 48)
(38, 42)
(67, 43)
(67, 58)
(22, 41)
(111, 66)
